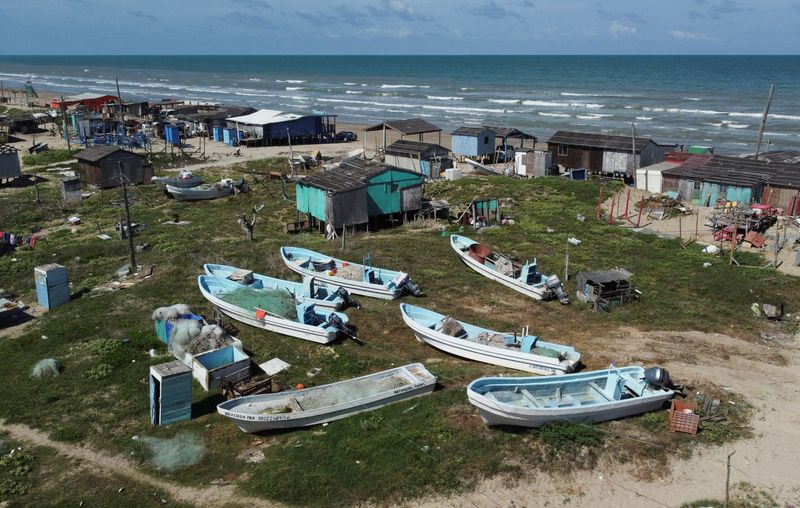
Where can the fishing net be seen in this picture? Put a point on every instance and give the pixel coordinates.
(274, 301)
(175, 453)
(46, 367)
(546, 351)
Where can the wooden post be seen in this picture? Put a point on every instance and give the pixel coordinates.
(733, 235)
(121, 109)
(611, 215)
(344, 236)
(127, 217)
(64, 118)
(697, 224)
(627, 204)
(641, 208)
(728, 480)
(680, 229)
(600, 204)
(566, 259)
(764, 120)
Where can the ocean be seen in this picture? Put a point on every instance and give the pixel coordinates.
(706, 100)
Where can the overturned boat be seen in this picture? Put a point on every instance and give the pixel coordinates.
(320, 404)
(225, 187)
(593, 396)
(359, 279)
(308, 290)
(522, 352)
(276, 311)
(184, 180)
(525, 279)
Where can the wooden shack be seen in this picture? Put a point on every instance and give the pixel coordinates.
(9, 163)
(427, 158)
(359, 192)
(403, 128)
(102, 165)
(473, 141)
(604, 153)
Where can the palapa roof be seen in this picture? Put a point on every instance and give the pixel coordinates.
(736, 171)
(97, 153)
(407, 148)
(603, 141)
(406, 127)
(471, 131)
(510, 132)
(349, 175)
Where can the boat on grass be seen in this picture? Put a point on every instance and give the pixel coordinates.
(308, 290)
(325, 403)
(184, 180)
(594, 396)
(525, 279)
(225, 187)
(358, 279)
(276, 311)
(515, 351)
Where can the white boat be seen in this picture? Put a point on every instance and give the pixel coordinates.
(522, 352)
(525, 279)
(301, 320)
(225, 187)
(584, 397)
(308, 291)
(358, 279)
(184, 180)
(325, 403)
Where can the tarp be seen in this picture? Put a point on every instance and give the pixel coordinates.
(264, 117)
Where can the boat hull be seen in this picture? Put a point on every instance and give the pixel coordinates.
(273, 324)
(181, 183)
(534, 292)
(195, 194)
(353, 286)
(250, 422)
(485, 353)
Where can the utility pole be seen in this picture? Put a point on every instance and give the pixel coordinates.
(633, 147)
(764, 120)
(566, 259)
(64, 118)
(121, 109)
(124, 180)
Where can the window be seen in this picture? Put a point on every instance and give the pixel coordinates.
(696, 185)
(395, 187)
(562, 150)
(486, 140)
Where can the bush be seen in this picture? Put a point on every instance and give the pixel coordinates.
(47, 157)
(99, 372)
(564, 435)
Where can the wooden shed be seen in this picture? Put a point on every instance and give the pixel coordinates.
(427, 158)
(604, 153)
(170, 393)
(359, 192)
(409, 127)
(473, 141)
(102, 165)
(9, 162)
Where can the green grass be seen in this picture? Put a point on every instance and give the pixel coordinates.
(50, 156)
(430, 444)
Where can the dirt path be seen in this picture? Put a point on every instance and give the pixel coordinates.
(101, 464)
(764, 373)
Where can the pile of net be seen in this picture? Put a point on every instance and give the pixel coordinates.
(46, 367)
(185, 332)
(274, 301)
(175, 453)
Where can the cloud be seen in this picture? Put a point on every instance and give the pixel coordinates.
(239, 18)
(489, 9)
(255, 4)
(685, 35)
(719, 8)
(401, 9)
(394, 32)
(603, 14)
(617, 29)
(143, 15)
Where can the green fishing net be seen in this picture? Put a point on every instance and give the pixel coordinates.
(274, 301)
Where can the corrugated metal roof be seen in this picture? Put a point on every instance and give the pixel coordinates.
(264, 117)
(737, 171)
(406, 148)
(87, 96)
(471, 131)
(350, 175)
(605, 276)
(99, 152)
(604, 141)
(783, 156)
(510, 132)
(406, 127)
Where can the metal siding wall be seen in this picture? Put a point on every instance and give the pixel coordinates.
(465, 145)
(310, 200)
(616, 162)
(348, 208)
(9, 165)
(411, 198)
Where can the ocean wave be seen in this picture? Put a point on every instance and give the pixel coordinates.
(598, 94)
(396, 86)
(556, 115)
(504, 101)
(590, 106)
(465, 88)
(254, 79)
(291, 81)
(354, 91)
(451, 109)
(545, 104)
(444, 98)
(592, 116)
(644, 118)
(692, 99)
(346, 83)
(293, 88)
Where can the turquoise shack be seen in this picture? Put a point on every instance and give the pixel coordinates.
(359, 192)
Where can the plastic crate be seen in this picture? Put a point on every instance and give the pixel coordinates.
(682, 421)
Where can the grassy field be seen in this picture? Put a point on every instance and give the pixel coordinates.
(426, 445)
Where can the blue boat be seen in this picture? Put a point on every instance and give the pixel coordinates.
(308, 291)
(593, 396)
(276, 311)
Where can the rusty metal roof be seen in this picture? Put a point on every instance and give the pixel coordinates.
(350, 175)
(737, 171)
(603, 141)
(406, 148)
(406, 127)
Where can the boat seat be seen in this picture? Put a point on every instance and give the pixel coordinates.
(599, 391)
(530, 398)
(528, 343)
(295, 404)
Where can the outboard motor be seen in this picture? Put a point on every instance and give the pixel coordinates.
(347, 298)
(659, 378)
(554, 284)
(337, 323)
(409, 286)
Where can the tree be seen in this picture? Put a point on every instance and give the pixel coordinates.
(247, 226)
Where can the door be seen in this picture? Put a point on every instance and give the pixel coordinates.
(155, 400)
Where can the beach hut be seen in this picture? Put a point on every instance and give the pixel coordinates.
(269, 127)
(9, 162)
(403, 128)
(359, 192)
(508, 133)
(473, 141)
(92, 101)
(604, 153)
(170, 393)
(426, 158)
(102, 165)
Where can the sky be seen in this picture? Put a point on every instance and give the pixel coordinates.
(66, 27)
